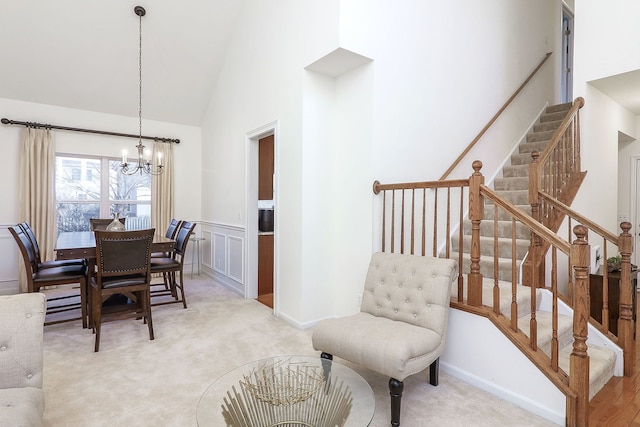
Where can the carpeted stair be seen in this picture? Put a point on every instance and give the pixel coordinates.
(514, 187)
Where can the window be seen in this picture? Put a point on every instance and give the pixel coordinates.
(94, 187)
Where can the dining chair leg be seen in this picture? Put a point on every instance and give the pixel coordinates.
(84, 303)
(147, 308)
(97, 320)
(184, 297)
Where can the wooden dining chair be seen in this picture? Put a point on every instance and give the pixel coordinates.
(123, 261)
(58, 300)
(26, 227)
(171, 232)
(173, 264)
(101, 223)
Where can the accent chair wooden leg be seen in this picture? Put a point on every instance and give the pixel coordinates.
(395, 390)
(434, 368)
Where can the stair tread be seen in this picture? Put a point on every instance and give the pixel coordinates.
(601, 365)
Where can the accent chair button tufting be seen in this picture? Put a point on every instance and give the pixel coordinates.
(3, 348)
(29, 376)
(28, 315)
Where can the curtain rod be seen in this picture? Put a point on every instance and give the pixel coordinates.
(101, 132)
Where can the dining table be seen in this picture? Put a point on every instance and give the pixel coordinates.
(82, 244)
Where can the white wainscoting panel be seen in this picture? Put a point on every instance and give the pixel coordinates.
(223, 255)
(220, 253)
(207, 249)
(236, 251)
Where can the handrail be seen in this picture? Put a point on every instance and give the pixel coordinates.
(494, 118)
(577, 105)
(566, 210)
(527, 220)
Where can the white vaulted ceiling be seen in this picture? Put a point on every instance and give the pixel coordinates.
(84, 54)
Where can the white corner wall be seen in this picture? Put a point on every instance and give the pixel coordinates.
(605, 45)
(405, 115)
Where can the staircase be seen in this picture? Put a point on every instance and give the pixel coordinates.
(534, 346)
(514, 187)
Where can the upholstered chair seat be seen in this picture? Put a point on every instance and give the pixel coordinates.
(401, 327)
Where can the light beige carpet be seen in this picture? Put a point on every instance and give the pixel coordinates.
(133, 381)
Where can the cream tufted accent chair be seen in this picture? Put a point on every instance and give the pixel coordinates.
(401, 327)
(21, 331)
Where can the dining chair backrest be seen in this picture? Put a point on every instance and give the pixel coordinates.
(26, 227)
(121, 253)
(26, 249)
(182, 237)
(173, 228)
(101, 223)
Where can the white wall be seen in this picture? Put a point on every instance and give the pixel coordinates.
(606, 35)
(437, 74)
(186, 155)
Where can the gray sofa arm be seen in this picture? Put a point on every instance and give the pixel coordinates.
(21, 332)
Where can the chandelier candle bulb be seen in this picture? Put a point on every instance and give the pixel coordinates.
(159, 159)
(124, 157)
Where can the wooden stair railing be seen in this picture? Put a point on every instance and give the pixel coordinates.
(557, 172)
(624, 244)
(494, 118)
(422, 218)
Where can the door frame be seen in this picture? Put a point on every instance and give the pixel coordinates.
(251, 227)
(566, 79)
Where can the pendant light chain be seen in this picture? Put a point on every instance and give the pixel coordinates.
(144, 163)
(140, 79)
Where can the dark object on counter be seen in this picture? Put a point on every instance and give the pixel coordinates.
(265, 220)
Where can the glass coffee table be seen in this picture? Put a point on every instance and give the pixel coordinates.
(288, 391)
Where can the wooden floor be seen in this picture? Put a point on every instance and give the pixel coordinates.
(618, 403)
(266, 299)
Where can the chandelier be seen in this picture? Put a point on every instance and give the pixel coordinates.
(144, 160)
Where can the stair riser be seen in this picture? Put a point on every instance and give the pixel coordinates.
(552, 117)
(486, 267)
(564, 107)
(502, 214)
(504, 229)
(487, 247)
(530, 147)
(510, 171)
(517, 197)
(511, 184)
(543, 127)
(540, 136)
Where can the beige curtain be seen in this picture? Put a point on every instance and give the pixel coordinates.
(37, 190)
(162, 189)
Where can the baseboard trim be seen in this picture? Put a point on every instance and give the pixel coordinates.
(503, 393)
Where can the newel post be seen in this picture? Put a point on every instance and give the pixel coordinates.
(534, 258)
(476, 215)
(579, 359)
(625, 321)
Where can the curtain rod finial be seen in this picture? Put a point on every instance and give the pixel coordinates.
(5, 121)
